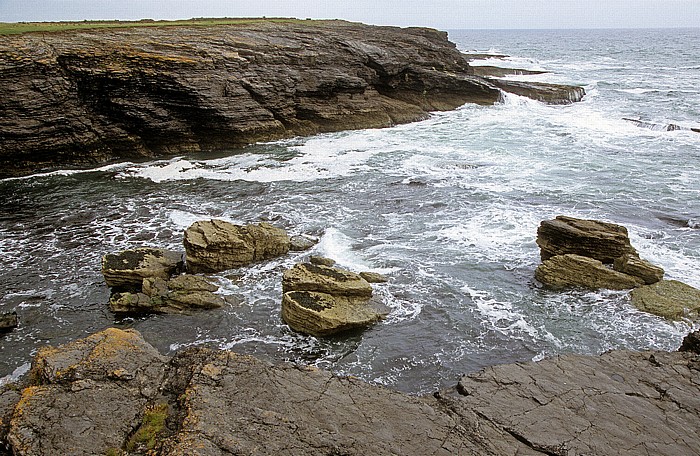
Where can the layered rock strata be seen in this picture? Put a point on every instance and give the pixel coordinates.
(324, 300)
(87, 97)
(93, 397)
(217, 245)
(571, 270)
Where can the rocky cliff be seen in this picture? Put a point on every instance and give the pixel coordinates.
(113, 394)
(87, 97)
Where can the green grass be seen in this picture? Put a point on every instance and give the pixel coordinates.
(16, 28)
(152, 427)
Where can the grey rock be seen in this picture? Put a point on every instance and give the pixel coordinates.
(499, 72)
(216, 245)
(562, 271)
(86, 396)
(635, 266)
(670, 299)
(622, 403)
(89, 396)
(128, 268)
(547, 93)
(8, 321)
(591, 238)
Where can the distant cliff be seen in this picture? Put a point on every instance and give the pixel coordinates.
(83, 98)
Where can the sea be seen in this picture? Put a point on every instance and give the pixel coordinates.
(447, 208)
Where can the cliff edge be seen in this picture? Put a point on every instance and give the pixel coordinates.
(87, 97)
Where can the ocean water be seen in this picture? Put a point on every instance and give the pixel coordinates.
(448, 208)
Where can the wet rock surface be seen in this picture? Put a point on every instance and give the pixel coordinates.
(571, 270)
(217, 245)
(541, 91)
(87, 97)
(590, 238)
(181, 294)
(128, 268)
(8, 321)
(323, 300)
(637, 267)
(91, 396)
(670, 299)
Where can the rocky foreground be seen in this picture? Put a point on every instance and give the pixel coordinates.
(84, 98)
(114, 394)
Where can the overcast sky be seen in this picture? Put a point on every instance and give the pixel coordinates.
(442, 14)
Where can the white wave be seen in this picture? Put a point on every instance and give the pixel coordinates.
(70, 172)
(637, 91)
(15, 375)
(338, 246)
(501, 315)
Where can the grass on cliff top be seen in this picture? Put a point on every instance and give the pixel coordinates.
(16, 28)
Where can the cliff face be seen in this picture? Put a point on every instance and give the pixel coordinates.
(87, 97)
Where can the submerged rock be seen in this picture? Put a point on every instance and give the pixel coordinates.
(571, 270)
(590, 238)
(301, 243)
(374, 277)
(181, 294)
(8, 321)
(635, 266)
(324, 300)
(670, 299)
(128, 268)
(216, 245)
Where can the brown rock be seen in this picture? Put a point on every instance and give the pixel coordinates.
(635, 266)
(325, 279)
(570, 270)
(670, 299)
(8, 321)
(591, 238)
(128, 268)
(216, 245)
(321, 314)
(321, 261)
(374, 277)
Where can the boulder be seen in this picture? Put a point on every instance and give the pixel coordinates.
(216, 245)
(691, 343)
(670, 299)
(87, 396)
(324, 300)
(374, 277)
(321, 314)
(591, 238)
(128, 268)
(635, 266)
(8, 321)
(325, 279)
(181, 294)
(571, 270)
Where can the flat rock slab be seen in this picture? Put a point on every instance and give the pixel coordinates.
(591, 238)
(635, 266)
(670, 299)
(129, 267)
(562, 271)
(217, 245)
(620, 403)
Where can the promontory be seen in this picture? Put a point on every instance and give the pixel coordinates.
(90, 96)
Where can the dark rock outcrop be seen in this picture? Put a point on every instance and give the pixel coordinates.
(87, 97)
(180, 294)
(8, 321)
(323, 300)
(571, 270)
(691, 343)
(128, 268)
(216, 245)
(92, 397)
(590, 238)
(670, 299)
(541, 91)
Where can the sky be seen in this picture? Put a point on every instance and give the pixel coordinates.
(441, 14)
